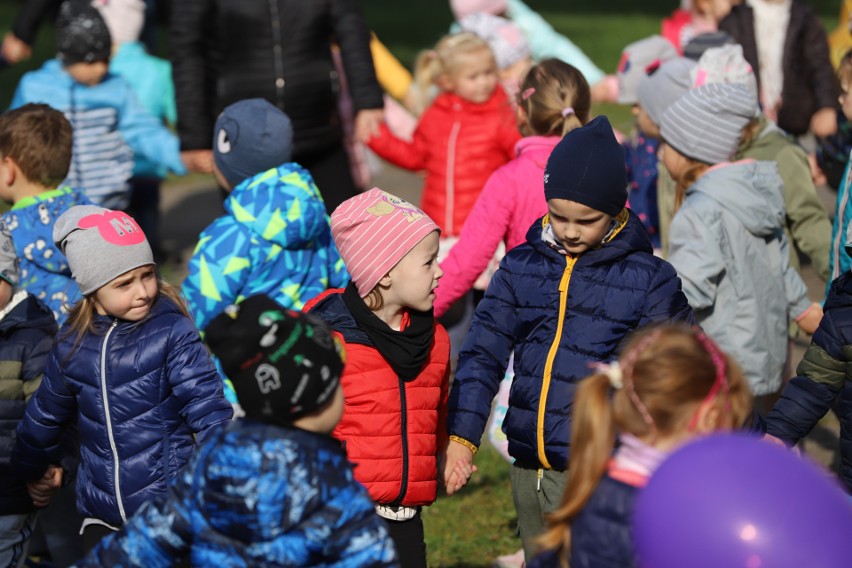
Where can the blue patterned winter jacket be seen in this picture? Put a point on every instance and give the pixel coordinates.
(274, 240)
(140, 392)
(560, 314)
(256, 495)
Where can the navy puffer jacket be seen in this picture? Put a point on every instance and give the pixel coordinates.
(560, 314)
(822, 378)
(139, 391)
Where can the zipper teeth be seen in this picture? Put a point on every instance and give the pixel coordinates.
(403, 486)
(109, 426)
(551, 356)
(451, 182)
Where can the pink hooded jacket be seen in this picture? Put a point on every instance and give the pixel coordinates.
(510, 202)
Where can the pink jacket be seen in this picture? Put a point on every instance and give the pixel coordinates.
(510, 202)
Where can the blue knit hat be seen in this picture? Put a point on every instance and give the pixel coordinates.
(250, 137)
(587, 166)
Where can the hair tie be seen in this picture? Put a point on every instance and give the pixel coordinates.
(721, 379)
(567, 111)
(528, 92)
(629, 360)
(612, 371)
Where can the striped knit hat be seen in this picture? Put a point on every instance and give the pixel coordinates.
(706, 124)
(373, 231)
(660, 88)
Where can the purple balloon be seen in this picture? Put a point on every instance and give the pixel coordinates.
(734, 501)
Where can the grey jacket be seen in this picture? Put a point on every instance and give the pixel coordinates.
(729, 249)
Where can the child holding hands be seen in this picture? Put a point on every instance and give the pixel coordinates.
(466, 133)
(565, 299)
(397, 371)
(727, 235)
(129, 367)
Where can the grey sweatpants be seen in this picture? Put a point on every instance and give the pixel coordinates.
(533, 499)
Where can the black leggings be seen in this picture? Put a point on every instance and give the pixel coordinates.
(410, 544)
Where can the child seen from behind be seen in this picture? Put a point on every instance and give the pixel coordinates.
(727, 238)
(565, 299)
(670, 384)
(129, 367)
(396, 379)
(554, 99)
(35, 151)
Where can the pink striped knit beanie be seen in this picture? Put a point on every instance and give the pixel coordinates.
(373, 231)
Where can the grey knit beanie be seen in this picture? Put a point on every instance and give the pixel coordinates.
(636, 60)
(706, 124)
(658, 90)
(8, 258)
(504, 38)
(100, 245)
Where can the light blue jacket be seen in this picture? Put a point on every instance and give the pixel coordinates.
(110, 127)
(151, 80)
(729, 249)
(545, 42)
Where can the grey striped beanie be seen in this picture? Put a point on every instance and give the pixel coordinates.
(706, 124)
(659, 89)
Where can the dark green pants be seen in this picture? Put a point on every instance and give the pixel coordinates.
(534, 497)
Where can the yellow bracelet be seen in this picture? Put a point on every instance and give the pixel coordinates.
(465, 443)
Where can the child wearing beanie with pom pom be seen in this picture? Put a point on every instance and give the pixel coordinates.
(397, 371)
(727, 235)
(562, 301)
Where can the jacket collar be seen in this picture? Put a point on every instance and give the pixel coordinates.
(453, 102)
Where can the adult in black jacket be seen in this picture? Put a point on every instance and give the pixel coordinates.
(810, 88)
(280, 50)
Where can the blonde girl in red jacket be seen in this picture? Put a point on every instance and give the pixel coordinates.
(466, 133)
(395, 383)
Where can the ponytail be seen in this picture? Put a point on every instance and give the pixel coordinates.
(555, 98)
(592, 441)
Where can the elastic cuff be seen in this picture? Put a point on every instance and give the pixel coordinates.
(464, 443)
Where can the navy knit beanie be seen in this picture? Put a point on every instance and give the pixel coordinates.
(82, 35)
(587, 166)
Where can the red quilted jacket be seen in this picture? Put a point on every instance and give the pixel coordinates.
(392, 430)
(459, 144)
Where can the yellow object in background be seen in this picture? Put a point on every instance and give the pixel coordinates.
(840, 40)
(394, 78)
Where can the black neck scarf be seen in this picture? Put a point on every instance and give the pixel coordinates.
(406, 351)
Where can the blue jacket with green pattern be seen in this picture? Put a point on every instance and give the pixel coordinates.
(274, 240)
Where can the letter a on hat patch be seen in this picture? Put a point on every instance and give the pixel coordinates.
(115, 227)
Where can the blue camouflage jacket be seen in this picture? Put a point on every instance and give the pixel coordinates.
(256, 495)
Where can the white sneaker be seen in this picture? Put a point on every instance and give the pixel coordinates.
(515, 560)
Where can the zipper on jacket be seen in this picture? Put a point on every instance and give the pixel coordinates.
(551, 356)
(277, 57)
(109, 424)
(451, 181)
(403, 486)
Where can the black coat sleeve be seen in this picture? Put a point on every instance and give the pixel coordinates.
(192, 71)
(353, 37)
(30, 18)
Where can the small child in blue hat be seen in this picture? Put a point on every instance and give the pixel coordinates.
(275, 237)
(562, 302)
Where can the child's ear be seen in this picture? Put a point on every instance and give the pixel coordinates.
(445, 82)
(386, 280)
(10, 171)
(710, 419)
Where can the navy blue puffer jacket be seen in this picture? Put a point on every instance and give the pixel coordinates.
(139, 391)
(560, 314)
(822, 378)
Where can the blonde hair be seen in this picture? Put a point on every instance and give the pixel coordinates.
(556, 99)
(668, 371)
(844, 68)
(81, 317)
(432, 64)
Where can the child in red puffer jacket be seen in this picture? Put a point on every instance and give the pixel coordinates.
(466, 133)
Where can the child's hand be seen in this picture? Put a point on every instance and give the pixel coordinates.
(367, 123)
(198, 161)
(809, 320)
(14, 50)
(458, 466)
(824, 122)
(43, 490)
